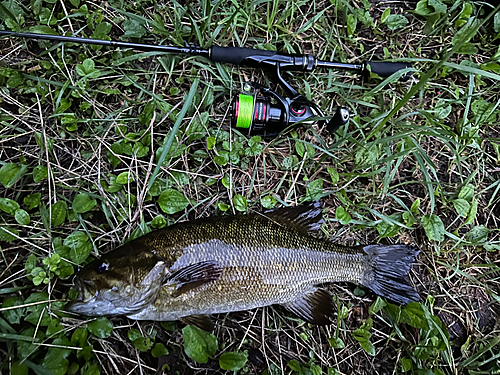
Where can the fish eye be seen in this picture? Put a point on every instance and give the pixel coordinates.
(103, 267)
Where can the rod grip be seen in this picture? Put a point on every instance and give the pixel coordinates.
(236, 55)
(385, 69)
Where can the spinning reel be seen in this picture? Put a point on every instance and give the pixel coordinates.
(267, 113)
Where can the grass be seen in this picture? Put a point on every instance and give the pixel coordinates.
(99, 145)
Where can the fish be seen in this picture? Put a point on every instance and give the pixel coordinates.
(191, 270)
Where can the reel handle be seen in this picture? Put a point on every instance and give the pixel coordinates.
(340, 118)
(385, 69)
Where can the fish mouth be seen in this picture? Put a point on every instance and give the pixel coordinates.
(86, 294)
(74, 306)
(92, 301)
(96, 299)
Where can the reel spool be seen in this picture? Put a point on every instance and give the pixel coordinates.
(268, 113)
(257, 114)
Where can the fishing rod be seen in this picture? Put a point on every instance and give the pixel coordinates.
(262, 111)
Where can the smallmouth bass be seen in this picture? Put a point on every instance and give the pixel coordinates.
(233, 263)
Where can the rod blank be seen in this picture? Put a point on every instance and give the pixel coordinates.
(231, 55)
(189, 50)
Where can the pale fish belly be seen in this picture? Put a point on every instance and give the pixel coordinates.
(252, 277)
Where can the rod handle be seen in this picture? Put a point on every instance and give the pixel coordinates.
(236, 55)
(385, 69)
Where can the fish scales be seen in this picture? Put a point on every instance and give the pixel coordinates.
(233, 263)
(272, 264)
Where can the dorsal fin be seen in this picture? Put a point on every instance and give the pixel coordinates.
(305, 218)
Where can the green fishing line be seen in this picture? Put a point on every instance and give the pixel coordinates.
(244, 111)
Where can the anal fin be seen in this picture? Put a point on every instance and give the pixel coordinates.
(193, 276)
(201, 321)
(315, 307)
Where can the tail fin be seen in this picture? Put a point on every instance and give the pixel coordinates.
(387, 272)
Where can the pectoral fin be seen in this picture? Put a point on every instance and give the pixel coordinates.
(315, 307)
(200, 321)
(193, 276)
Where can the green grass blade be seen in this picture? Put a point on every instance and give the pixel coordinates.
(425, 78)
(173, 133)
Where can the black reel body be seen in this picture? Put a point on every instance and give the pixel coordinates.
(266, 113)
